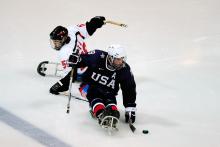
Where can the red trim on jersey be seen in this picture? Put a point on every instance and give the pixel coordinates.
(84, 47)
(81, 25)
(81, 35)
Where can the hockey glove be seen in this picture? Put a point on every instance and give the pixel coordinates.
(98, 21)
(94, 23)
(130, 114)
(73, 60)
(58, 87)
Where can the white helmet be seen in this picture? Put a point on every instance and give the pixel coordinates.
(117, 52)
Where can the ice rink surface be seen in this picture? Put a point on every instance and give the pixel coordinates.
(173, 47)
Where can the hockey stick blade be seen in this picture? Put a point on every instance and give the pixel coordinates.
(74, 97)
(132, 127)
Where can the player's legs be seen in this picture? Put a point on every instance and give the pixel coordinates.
(102, 105)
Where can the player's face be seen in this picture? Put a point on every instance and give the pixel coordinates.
(118, 63)
(56, 44)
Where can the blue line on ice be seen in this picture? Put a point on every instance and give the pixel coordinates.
(30, 130)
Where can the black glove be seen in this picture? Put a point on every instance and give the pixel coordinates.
(130, 114)
(94, 23)
(58, 87)
(73, 60)
(98, 21)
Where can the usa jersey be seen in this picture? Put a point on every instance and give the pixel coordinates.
(98, 75)
(77, 35)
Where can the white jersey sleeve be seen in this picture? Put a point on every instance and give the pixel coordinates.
(77, 36)
(83, 31)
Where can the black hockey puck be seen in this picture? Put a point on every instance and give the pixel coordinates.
(145, 131)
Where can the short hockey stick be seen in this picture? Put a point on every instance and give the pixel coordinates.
(70, 87)
(116, 23)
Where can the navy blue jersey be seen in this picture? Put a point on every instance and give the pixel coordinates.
(109, 81)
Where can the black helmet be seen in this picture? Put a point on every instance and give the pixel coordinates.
(58, 33)
(58, 37)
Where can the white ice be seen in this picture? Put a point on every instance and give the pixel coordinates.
(173, 47)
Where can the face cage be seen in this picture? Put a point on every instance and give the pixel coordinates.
(56, 44)
(114, 66)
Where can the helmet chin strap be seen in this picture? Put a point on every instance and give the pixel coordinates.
(108, 64)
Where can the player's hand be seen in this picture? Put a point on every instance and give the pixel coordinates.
(130, 114)
(98, 21)
(73, 60)
(55, 88)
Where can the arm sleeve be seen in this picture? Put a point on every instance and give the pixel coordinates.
(82, 28)
(63, 57)
(128, 87)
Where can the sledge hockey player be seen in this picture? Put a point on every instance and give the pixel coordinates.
(71, 40)
(106, 73)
